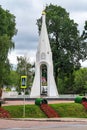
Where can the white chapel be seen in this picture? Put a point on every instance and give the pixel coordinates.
(44, 82)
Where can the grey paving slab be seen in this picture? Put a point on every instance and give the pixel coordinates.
(53, 127)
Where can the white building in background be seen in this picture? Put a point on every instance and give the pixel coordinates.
(44, 83)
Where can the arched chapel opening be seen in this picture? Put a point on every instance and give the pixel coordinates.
(43, 80)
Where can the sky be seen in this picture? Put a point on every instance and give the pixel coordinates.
(27, 12)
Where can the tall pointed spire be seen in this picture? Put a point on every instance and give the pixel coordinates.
(44, 58)
(44, 44)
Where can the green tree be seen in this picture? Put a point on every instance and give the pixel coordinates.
(24, 68)
(84, 34)
(7, 31)
(80, 81)
(7, 24)
(68, 47)
(12, 79)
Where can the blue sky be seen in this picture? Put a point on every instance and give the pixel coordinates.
(27, 12)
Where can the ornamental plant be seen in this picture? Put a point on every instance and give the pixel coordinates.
(49, 111)
(85, 104)
(4, 113)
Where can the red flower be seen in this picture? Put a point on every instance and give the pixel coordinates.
(50, 112)
(85, 104)
(4, 113)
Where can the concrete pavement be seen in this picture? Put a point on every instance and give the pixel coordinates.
(45, 124)
(21, 102)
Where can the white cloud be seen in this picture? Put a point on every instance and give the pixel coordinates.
(83, 64)
(28, 11)
(79, 18)
(14, 54)
(71, 5)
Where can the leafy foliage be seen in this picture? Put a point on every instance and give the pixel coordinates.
(24, 68)
(7, 23)
(68, 47)
(80, 81)
(84, 34)
(12, 78)
(7, 31)
(4, 64)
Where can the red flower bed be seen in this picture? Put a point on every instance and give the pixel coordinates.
(4, 113)
(84, 104)
(50, 112)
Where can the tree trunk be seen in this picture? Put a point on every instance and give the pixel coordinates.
(0, 93)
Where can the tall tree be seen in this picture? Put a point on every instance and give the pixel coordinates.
(67, 46)
(24, 68)
(7, 31)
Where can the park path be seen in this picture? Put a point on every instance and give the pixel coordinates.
(36, 124)
(21, 102)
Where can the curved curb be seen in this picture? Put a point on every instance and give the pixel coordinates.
(49, 119)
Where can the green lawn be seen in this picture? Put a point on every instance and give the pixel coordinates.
(33, 111)
(70, 110)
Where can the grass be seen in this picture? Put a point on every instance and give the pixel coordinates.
(33, 111)
(75, 110)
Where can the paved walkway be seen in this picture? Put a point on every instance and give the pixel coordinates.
(38, 124)
(14, 102)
